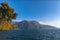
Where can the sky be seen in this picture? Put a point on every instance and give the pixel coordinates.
(45, 11)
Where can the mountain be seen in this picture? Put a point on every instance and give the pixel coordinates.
(32, 25)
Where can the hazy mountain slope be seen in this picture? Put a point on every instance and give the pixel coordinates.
(32, 25)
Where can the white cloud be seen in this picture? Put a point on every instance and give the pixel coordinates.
(43, 23)
(16, 20)
(55, 23)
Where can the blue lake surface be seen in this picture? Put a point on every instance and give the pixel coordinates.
(30, 35)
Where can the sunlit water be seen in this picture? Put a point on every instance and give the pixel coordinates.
(41, 34)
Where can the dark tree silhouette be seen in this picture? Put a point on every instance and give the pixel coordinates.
(6, 15)
(6, 12)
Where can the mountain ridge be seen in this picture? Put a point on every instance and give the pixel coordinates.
(25, 24)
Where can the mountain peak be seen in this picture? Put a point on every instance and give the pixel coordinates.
(32, 25)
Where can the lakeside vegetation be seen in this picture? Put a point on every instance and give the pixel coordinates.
(6, 15)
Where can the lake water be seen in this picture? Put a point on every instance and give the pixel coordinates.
(30, 35)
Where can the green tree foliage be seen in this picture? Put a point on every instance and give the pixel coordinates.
(6, 12)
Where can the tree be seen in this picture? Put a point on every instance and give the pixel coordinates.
(6, 12)
(6, 15)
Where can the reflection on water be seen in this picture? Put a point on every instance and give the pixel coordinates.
(30, 35)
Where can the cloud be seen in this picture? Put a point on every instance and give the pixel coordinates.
(43, 23)
(16, 20)
(55, 23)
